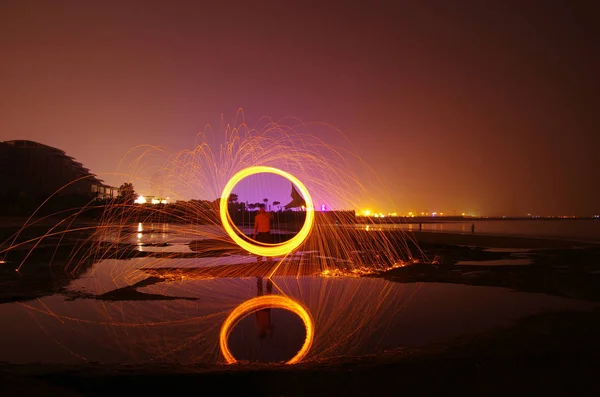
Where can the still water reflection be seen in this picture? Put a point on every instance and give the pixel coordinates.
(180, 321)
(268, 312)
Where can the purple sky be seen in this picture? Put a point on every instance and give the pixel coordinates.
(473, 106)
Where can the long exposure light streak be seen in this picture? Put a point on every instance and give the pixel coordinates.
(267, 249)
(158, 281)
(267, 302)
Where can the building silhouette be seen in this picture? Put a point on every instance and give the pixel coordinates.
(31, 170)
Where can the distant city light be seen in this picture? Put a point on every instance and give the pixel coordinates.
(410, 214)
(153, 200)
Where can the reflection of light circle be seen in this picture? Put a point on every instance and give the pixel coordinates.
(269, 249)
(266, 302)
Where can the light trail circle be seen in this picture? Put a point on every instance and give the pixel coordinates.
(267, 302)
(268, 249)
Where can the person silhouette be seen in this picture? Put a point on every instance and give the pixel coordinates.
(262, 228)
(263, 316)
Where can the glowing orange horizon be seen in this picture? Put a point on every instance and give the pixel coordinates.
(267, 302)
(269, 250)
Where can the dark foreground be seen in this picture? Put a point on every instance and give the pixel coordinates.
(552, 353)
(557, 353)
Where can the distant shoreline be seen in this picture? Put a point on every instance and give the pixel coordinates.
(441, 219)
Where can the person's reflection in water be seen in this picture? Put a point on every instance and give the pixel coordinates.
(263, 316)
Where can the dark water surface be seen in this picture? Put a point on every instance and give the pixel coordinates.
(352, 316)
(115, 313)
(571, 229)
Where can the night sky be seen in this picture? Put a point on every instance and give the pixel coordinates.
(486, 107)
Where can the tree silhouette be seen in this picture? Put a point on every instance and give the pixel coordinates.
(265, 200)
(277, 203)
(127, 193)
(233, 204)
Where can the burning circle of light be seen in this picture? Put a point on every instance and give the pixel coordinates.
(269, 249)
(267, 302)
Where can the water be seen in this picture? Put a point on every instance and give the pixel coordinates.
(572, 229)
(352, 316)
(100, 316)
(152, 234)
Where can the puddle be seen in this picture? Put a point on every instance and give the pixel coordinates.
(110, 274)
(351, 316)
(165, 247)
(124, 311)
